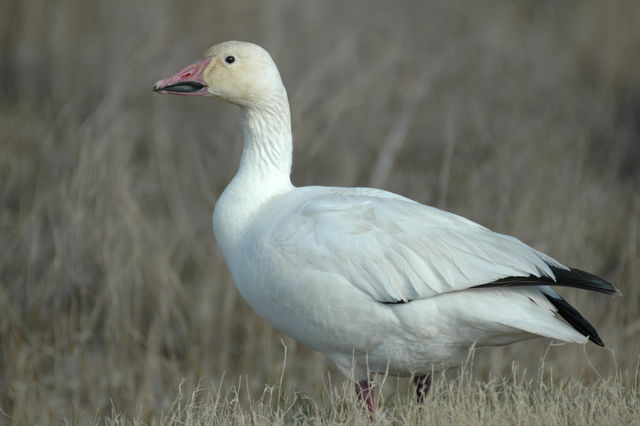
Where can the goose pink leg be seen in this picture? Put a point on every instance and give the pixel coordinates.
(423, 384)
(364, 390)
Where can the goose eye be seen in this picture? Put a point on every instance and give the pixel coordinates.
(230, 59)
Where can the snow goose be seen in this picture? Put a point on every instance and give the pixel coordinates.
(376, 281)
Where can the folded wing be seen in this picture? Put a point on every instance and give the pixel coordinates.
(397, 250)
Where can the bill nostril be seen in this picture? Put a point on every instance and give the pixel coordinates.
(186, 75)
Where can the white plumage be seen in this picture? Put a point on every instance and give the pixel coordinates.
(325, 265)
(363, 275)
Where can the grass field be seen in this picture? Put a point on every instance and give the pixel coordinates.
(460, 400)
(115, 304)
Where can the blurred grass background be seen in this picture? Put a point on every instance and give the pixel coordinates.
(523, 116)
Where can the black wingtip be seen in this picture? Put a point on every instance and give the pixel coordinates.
(573, 277)
(563, 278)
(575, 319)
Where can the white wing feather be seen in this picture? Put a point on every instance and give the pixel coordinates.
(390, 247)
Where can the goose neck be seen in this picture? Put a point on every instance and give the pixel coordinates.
(267, 152)
(263, 174)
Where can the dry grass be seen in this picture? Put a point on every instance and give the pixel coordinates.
(459, 400)
(523, 116)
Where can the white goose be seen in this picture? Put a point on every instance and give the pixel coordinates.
(376, 281)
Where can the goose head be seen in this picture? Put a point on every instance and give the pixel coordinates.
(237, 72)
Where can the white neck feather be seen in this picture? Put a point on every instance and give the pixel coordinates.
(267, 151)
(264, 171)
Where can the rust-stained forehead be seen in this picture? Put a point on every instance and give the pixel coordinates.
(238, 47)
(247, 80)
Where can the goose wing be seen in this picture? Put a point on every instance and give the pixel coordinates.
(397, 250)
